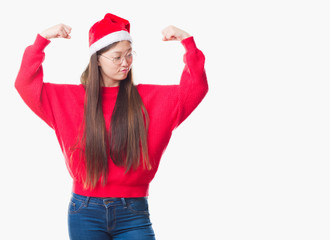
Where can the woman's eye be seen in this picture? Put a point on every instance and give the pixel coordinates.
(116, 58)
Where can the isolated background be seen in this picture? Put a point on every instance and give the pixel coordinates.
(251, 162)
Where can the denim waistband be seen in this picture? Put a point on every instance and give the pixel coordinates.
(101, 200)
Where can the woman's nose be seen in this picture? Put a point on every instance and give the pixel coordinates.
(124, 62)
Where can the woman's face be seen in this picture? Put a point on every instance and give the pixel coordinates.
(115, 63)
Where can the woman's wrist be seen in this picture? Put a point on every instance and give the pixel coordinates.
(44, 36)
(184, 36)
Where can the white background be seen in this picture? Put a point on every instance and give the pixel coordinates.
(251, 162)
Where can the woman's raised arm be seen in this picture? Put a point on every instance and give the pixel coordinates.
(193, 83)
(29, 81)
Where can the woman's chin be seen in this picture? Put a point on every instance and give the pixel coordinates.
(122, 76)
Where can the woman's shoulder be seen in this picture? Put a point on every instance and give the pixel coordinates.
(65, 86)
(156, 88)
(60, 88)
(158, 93)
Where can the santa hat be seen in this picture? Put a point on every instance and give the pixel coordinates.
(109, 30)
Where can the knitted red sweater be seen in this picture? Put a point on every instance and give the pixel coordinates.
(61, 106)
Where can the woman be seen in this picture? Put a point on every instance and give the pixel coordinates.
(112, 133)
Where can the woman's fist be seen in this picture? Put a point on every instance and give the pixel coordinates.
(173, 33)
(57, 31)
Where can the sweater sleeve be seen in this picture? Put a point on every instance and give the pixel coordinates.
(29, 81)
(193, 83)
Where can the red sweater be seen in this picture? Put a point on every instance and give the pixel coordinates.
(61, 106)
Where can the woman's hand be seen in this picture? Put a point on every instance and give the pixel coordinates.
(57, 31)
(173, 33)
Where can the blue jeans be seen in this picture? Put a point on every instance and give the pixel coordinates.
(91, 218)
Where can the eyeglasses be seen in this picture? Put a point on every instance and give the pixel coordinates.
(119, 60)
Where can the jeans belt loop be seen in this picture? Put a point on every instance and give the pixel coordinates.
(124, 202)
(87, 200)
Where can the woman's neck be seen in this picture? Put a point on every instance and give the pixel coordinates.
(109, 84)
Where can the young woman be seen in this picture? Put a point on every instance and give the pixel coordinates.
(112, 133)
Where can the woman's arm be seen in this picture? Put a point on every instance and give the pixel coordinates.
(29, 81)
(193, 84)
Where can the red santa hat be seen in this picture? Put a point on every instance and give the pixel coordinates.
(109, 30)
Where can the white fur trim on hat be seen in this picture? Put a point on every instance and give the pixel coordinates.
(108, 39)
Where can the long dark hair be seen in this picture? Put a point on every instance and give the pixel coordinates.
(126, 142)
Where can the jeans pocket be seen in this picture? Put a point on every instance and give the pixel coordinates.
(138, 205)
(76, 205)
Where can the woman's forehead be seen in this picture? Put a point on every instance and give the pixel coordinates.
(122, 46)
